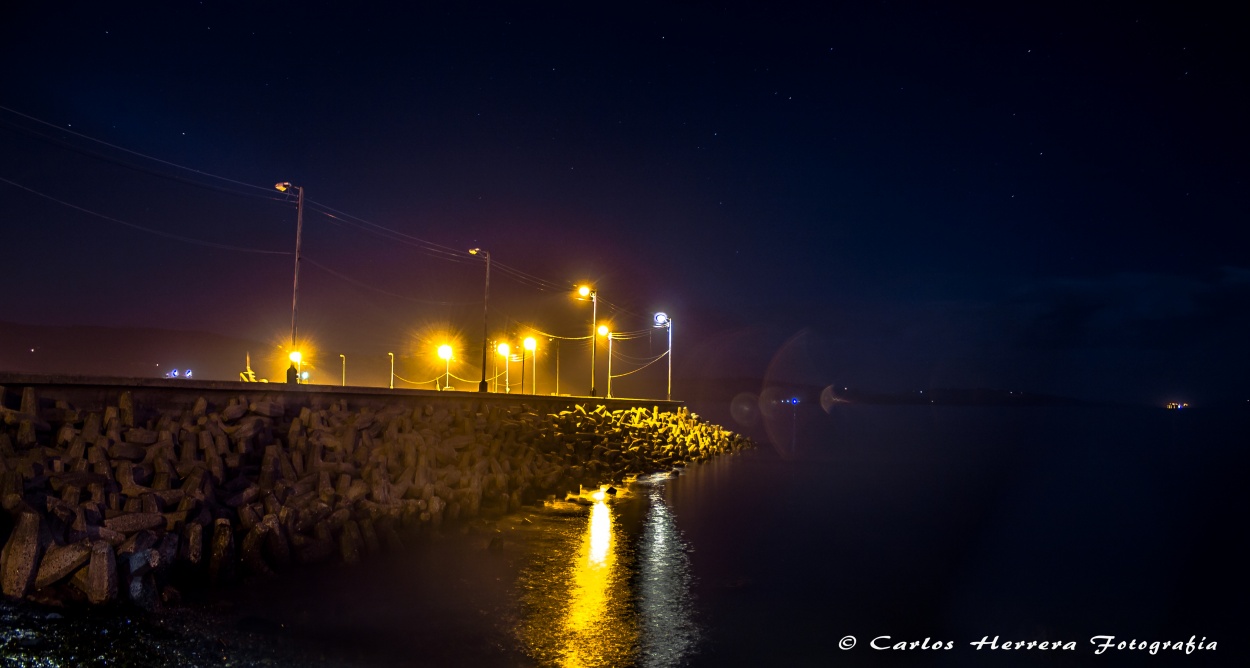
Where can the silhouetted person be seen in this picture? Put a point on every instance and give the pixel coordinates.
(292, 375)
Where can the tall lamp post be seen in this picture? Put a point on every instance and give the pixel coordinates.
(504, 349)
(531, 345)
(298, 359)
(444, 351)
(587, 291)
(392, 370)
(481, 387)
(299, 232)
(609, 334)
(662, 320)
(557, 393)
(344, 357)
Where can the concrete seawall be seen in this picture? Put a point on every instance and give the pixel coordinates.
(133, 488)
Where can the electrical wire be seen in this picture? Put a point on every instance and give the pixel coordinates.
(159, 233)
(366, 286)
(411, 382)
(657, 359)
(126, 150)
(546, 334)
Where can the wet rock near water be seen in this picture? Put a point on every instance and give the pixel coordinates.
(102, 507)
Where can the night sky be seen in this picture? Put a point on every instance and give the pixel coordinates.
(885, 195)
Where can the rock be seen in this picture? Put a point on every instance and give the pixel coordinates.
(19, 560)
(142, 561)
(101, 580)
(221, 559)
(135, 522)
(126, 409)
(233, 412)
(252, 557)
(61, 561)
(350, 543)
(140, 436)
(191, 550)
(267, 408)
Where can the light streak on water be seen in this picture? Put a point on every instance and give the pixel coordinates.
(664, 583)
(598, 593)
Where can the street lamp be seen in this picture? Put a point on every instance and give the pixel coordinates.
(299, 231)
(481, 387)
(603, 331)
(530, 344)
(344, 357)
(609, 361)
(662, 320)
(444, 351)
(504, 349)
(392, 370)
(297, 359)
(586, 291)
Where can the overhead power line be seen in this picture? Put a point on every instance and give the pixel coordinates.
(141, 228)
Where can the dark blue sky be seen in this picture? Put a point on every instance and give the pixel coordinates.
(889, 195)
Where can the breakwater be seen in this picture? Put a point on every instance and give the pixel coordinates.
(135, 491)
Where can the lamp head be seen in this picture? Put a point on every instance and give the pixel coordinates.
(444, 352)
(584, 291)
(530, 343)
(603, 330)
(282, 187)
(503, 349)
(296, 356)
(662, 319)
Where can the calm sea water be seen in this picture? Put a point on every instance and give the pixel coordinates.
(948, 525)
(954, 524)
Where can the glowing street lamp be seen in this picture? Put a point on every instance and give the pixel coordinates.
(299, 231)
(344, 358)
(609, 334)
(586, 291)
(481, 387)
(603, 331)
(297, 359)
(444, 352)
(530, 344)
(504, 349)
(392, 370)
(662, 320)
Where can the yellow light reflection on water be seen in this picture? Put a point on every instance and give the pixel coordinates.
(596, 633)
(581, 609)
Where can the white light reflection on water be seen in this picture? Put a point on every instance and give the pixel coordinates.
(611, 588)
(664, 606)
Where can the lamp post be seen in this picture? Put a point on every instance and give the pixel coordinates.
(603, 331)
(444, 351)
(299, 231)
(392, 370)
(481, 387)
(344, 357)
(609, 364)
(531, 345)
(504, 349)
(662, 320)
(298, 360)
(557, 364)
(586, 291)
